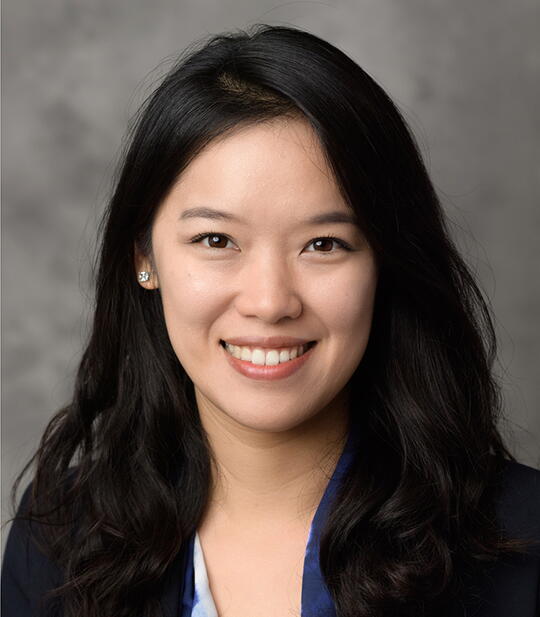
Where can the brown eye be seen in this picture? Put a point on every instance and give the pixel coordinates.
(322, 242)
(214, 241)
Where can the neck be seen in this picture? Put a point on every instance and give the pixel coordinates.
(268, 480)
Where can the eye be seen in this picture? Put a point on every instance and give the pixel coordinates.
(327, 241)
(214, 240)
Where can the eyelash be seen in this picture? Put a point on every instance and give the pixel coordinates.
(202, 236)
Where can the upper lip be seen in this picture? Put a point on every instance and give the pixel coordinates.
(269, 342)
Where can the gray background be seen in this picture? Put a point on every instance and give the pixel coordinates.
(465, 75)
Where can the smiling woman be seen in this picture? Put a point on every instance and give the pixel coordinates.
(286, 406)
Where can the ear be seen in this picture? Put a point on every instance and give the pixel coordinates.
(144, 264)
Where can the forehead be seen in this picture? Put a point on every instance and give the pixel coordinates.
(276, 165)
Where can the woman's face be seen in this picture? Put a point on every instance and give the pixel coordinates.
(266, 272)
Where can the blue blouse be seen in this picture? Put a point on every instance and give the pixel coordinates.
(197, 600)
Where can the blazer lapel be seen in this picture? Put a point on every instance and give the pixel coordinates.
(173, 584)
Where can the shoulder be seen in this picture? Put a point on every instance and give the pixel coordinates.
(510, 587)
(28, 573)
(518, 501)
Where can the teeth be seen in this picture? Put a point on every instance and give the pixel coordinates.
(262, 357)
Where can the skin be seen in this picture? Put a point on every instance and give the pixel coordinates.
(274, 443)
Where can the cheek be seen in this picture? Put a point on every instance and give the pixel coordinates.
(193, 301)
(346, 305)
(189, 300)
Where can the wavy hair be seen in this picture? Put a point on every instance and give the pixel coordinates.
(122, 472)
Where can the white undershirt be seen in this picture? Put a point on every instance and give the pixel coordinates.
(203, 604)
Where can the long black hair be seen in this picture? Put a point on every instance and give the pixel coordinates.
(123, 471)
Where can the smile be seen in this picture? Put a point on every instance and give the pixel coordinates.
(261, 364)
(266, 357)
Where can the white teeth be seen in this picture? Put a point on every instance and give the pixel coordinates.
(258, 356)
(268, 358)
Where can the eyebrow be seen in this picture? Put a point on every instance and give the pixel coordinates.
(220, 215)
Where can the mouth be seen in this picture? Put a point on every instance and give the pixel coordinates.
(267, 356)
(267, 363)
(307, 346)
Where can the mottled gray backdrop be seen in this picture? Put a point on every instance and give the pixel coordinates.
(465, 74)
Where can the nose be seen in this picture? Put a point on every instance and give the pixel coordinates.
(268, 290)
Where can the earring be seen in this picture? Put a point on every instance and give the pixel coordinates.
(143, 277)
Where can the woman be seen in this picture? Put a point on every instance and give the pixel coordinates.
(286, 405)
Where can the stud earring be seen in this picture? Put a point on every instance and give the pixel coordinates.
(143, 277)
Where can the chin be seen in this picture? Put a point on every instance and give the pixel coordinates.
(277, 423)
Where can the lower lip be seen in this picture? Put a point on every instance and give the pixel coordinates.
(259, 371)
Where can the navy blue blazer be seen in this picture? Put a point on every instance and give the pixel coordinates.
(505, 589)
